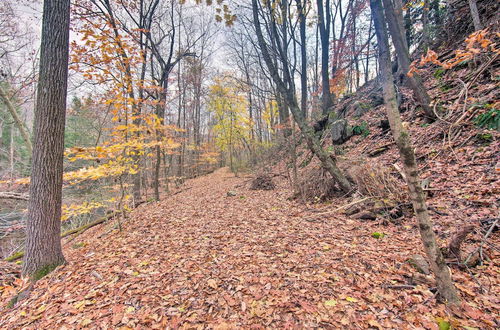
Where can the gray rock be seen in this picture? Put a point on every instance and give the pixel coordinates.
(360, 108)
(376, 100)
(341, 131)
(420, 264)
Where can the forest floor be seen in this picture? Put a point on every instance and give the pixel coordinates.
(203, 258)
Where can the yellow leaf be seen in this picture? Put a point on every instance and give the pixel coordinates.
(330, 303)
(41, 309)
(375, 324)
(212, 283)
(85, 322)
(351, 299)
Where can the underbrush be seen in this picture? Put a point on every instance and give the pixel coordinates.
(373, 180)
(316, 185)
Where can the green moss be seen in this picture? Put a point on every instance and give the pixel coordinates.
(378, 235)
(15, 256)
(42, 272)
(12, 302)
(439, 73)
(79, 245)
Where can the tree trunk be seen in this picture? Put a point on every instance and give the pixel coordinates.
(289, 97)
(425, 26)
(43, 227)
(415, 82)
(20, 125)
(402, 138)
(324, 32)
(475, 15)
(160, 112)
(303, 56)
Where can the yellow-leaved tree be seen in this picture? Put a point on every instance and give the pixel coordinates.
(232, 125)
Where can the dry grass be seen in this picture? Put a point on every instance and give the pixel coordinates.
(316, 185)
(379, 182)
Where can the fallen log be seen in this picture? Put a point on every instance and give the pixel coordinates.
(89, 225)
(377, 151)
(13, 195)
(79, 230)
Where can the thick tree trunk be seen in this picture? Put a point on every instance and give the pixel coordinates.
(402, 138)
(415, 82)
(43, 227)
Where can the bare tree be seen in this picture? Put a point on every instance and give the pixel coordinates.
(324, 22)
(402, 138)
(287, 92)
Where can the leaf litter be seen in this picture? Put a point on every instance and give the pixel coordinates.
(201, 259)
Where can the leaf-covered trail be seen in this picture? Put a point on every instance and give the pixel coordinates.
(201, 258)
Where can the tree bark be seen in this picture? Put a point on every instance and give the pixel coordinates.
(415, 82)
(43, 227)
(475, 15)
(303, 56)
(324, 20)
(425, 26)
(402, 138)
(160, 112)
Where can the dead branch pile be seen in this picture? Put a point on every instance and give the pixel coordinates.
(316, 185)
(378, 182)
(263, 182)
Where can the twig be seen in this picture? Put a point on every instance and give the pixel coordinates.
(483, 241)
(339, 208)
(486, 237)
(481, 70)
(399, 286)
(396, 166)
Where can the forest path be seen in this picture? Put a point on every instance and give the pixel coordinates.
(200, 257)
